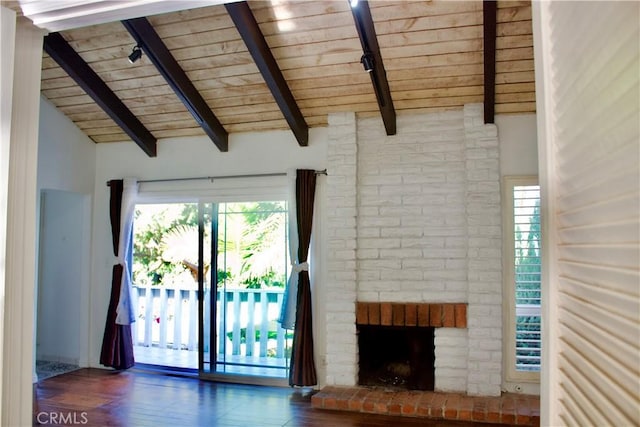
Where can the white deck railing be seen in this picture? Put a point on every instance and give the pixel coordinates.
(167, 317)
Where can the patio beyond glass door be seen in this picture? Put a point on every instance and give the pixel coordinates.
(241, 332)
(208, 286)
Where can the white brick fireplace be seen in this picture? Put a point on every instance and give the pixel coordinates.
(415, 217)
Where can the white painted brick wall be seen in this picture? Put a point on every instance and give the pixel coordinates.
(410, 202)
(415, 217)
(342, 348)
(484, 256)
(451, 359)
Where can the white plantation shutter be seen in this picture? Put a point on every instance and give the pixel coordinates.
(587, 72)
(526, 218)
(522, 280)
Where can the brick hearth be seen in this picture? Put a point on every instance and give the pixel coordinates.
(511, 409)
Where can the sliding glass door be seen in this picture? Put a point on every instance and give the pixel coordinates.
(208, 286)
(247, 243)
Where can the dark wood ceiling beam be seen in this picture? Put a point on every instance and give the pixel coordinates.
(369, 42)
(158, 53)
(248, 28)
(57, 47)
(489, 12)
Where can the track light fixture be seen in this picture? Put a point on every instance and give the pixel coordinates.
(136, 54)
(367, 62)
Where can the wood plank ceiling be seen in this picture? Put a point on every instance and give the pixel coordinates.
(432, 53)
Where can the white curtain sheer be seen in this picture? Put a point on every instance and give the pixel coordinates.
(288, 310)
(125, 311)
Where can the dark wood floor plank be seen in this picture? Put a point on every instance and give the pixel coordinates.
(134, 398)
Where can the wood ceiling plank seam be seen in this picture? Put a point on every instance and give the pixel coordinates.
(57, 47)
(514, 14)
(208, 12)
(138, 72)
(194, 24)
(434, 61)
(515, 77)
(514, 3)
(514, 54)
(437, 71)
(107, 139)
(295, 38)
(439, 93)
(383, 11)
(53, 73)
(244, 100)
(505, 42)
(448, 101)
(61, 92)
(431, 36)
(235, 47)
(117, 39)
(208, 62)
(148, 39)
(91, 32)
(232, 81)
(265, 12)
(309, 24)
(95, 123)
(109, 130)
(229, 71)
(521, 28)
(68, 101)
(165, 117)
(433, 49)
(430, 23)
(510, 66)
(204, 37)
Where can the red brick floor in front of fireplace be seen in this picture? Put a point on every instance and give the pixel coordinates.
(509, 408)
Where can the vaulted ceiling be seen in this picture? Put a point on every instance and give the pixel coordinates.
(286, 64)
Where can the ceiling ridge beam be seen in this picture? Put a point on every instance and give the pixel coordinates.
(72, 63)
(489, 15)
(248, 28)
(369, 41)
(153, 46)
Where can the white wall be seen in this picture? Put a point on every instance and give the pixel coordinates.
(66, 163)
(62, 290)
(249, 153)
(518, 144)
(66, 156)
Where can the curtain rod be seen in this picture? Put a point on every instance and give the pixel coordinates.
(212, 178)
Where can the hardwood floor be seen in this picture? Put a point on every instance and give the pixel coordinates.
(96, 397)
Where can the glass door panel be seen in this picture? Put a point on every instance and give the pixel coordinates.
(250, 273)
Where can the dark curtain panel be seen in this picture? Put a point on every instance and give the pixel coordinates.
(303, 369)
(117, 344)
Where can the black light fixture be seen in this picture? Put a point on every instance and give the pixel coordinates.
(367, 62)
(136, 54)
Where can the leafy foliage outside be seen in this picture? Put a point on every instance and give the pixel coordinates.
(251, 244)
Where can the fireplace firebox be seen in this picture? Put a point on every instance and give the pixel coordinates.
(396, 356)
